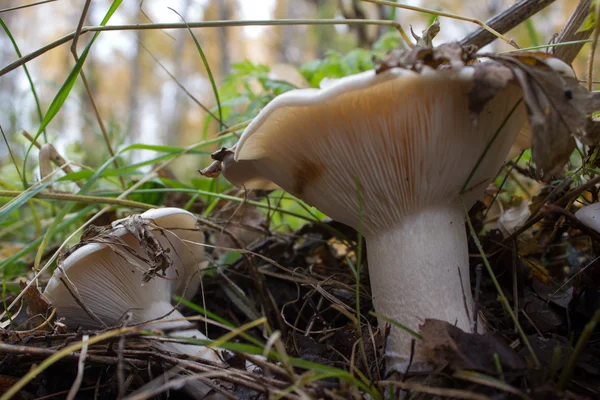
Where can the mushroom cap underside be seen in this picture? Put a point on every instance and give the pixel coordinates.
(108, 277)
(403, 141)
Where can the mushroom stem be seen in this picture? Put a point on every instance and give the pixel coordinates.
(418, 270)
(185, 329)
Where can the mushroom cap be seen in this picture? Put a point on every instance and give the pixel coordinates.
(590, 216)
(109, 275)
(407, 140)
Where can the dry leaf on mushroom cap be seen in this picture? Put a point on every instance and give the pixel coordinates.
(559, 107)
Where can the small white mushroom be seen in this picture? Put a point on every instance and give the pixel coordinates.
(116, 273)
(409, 142)
(590, 216)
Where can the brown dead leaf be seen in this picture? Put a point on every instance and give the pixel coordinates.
(213, 170)
(428, 34)
(591, 133)
(158, 257)
(445, 345)
(33, 300)
(35, 308)
(558, 108)
(243, 223)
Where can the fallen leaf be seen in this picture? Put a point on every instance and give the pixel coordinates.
(558, 108)
(445, 345)
(514, 218)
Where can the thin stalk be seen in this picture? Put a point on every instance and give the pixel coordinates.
(187, 92)
(211, 77)
(26, 6)
(80, 199)
(89, 90)
(444, 14)
(506, 20)
(548, 46)
(208, 24)
(220, 196)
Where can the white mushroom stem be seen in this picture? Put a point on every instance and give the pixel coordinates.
(418, 270)
(185, 329)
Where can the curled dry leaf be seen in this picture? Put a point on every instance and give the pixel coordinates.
(445, 345)
(558, 107)
(514, 218)
(419, 57)
(428, 34)
(144, 231)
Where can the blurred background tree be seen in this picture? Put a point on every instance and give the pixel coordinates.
(140, 102)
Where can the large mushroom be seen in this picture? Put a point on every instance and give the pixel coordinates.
(387, 153)
(134, 267)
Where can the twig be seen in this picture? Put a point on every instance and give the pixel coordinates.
(208, 24)
(489, 29)
(58, 356)
(80, 368)
(515, 280)
(81, 199)
(505, 21)
(26, 6)
(478, 276)
(570, 32)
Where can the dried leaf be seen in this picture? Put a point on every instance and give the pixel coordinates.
(591, 134)
(419, 57)
(213, 170)
(216, 167)
(514, 218)
(428, 34)
(35, 303)
(558, 108)
(445, 345)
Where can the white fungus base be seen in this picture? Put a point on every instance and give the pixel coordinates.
(179, 327)
(421, 271)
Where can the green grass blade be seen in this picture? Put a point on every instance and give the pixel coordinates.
(208, 70)
(17, 202)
